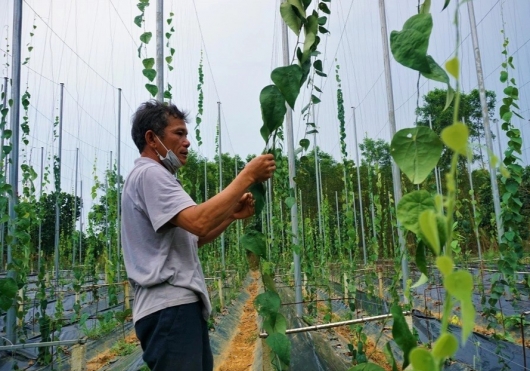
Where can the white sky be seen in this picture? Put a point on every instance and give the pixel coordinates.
(90, 46)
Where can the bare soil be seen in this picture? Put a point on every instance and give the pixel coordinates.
(105, 357)
(239, 354)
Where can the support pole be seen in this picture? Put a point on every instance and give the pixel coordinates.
(81, 224)
(58, 186)
(160, 49)
(40, 211)
(319, 199)
(436, 174)
(338, 218)
(358, 164)
(292, 184)
(118, 187)
(75, 202)
(475, 226)
(396, 174)
(13, 170)
(220, 154)
(3, 160)
(486, 120)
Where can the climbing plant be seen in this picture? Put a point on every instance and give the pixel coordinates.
(274, 98)
(430, 218)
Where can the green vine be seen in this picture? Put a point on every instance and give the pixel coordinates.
(287, 82)
(149, 72)
(169, 58)
(417, 151)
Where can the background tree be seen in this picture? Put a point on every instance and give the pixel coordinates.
(46, 210)
(470, 112)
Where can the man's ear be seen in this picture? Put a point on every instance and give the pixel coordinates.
(150, 139)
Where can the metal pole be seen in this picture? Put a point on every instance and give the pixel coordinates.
(3, 160)
(58, 186)
(160, 49)
(335, 324)
(75, 201)
(372, 207)
(317, 179)
(474, 210)
(436, 175)
(396, 174)
(221, 177)
(13, 171)
(81, 223)
(355, 222)
(292, 185)
(338, 217)
(498, 138)
(118, 187)
(358, 164)
(485, 117)
(107, 223)
(40, 211)
(205, 180)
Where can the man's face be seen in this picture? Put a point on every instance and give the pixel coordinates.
(176, 139)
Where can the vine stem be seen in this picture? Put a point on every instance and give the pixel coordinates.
(451, 197)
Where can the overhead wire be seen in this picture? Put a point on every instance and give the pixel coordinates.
(69, 47)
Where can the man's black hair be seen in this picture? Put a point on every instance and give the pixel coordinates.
(153, 115)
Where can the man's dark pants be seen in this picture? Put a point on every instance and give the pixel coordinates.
(176, 338)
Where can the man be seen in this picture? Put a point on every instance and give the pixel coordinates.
(162, 228)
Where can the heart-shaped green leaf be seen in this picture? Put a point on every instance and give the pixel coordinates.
(273, 110)
(8, 289)
(290, 17)
(153, 89)
(258, 193)
(149, 73)
(311, 30)
(416, 152)
(429, 229)
(468, 318)
(254, 241)
(148, 63)
(281, 346)
(267, 303)
(421, 359)
(146, 37)
(445, 346)
(410, 208)
(455, 137)
(275, 323)
(459, 284)
(444, 264)
(287, 79)
(401, 333)
(409, 46)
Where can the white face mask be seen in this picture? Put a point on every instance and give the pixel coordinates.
(171, 161)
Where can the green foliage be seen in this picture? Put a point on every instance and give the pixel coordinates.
(255, 241)
(200, 104)
(429, 218)
(46, 211)
(416, 152)
(410, 45)
(470, 112)
(8, 289)
(122, 348)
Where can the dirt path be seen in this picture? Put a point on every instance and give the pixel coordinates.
(105, 357)
(239, 354)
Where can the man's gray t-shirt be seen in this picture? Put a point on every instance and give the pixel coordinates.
(162, 260)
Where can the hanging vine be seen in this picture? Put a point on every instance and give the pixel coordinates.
(287, 82)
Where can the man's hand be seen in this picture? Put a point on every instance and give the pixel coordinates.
(260, 168)
(245, 207)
